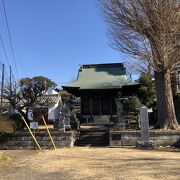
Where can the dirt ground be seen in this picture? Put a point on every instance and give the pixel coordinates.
(89, 163)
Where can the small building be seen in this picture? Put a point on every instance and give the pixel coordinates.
(98, 86)
(48, 105)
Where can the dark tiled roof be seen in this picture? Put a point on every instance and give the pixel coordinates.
(48, 100)
(101, 76)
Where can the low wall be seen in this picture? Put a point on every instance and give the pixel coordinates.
(129, 138)
(23, 140)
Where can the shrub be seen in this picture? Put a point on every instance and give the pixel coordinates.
(132, 104)
(18, 120)
(146, 92)
(7, 125)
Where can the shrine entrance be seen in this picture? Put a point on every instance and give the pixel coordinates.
(38, 113)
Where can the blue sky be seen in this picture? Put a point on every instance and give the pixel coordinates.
(52, 37)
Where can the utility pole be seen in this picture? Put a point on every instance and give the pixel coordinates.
(2, 88)
(10, 91)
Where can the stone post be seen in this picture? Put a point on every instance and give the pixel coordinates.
(61, 124)
(64, 121)
(145, 143)
(144, 120)
(120, 118)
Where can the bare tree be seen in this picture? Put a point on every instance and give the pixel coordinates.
(138, 66)
(149, 30)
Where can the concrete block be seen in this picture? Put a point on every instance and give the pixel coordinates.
(146, 145)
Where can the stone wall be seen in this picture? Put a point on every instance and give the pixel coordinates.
(23, 140)
(129, 138)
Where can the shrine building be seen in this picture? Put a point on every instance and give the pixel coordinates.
(98, 85)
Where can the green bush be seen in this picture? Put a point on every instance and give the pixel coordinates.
(132, 104)
(146, 92)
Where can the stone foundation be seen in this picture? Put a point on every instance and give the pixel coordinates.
(146, 145)
(129, 138)
(23, 140)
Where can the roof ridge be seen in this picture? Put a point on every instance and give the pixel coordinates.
(102, 65)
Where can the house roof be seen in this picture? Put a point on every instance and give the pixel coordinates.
(48, 100)
(101, 76)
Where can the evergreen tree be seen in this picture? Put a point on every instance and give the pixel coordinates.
(147, 92)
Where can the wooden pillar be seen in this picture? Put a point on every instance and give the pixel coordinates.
(81, 104)
(91, 108)
(100, 104)
(111, 106)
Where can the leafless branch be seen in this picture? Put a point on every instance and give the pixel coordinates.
(148, 30)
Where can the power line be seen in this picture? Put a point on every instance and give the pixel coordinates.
(10, 39)
(12, 50)
(22, 64)
(6, 57)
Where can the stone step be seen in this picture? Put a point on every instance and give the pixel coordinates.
(92, 133)
(93, 130)
(85, 138)
(93, 137)
(92, 141)
(92, 144)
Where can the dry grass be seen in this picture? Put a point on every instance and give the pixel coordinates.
(90, 163)
(7, 125)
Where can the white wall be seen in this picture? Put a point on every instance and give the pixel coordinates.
(54, 112)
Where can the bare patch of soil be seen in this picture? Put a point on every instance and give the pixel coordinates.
(89, 163)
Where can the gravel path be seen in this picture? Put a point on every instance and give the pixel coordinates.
(89, 163)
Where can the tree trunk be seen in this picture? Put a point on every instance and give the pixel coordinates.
(165, 105)
(25, 115)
